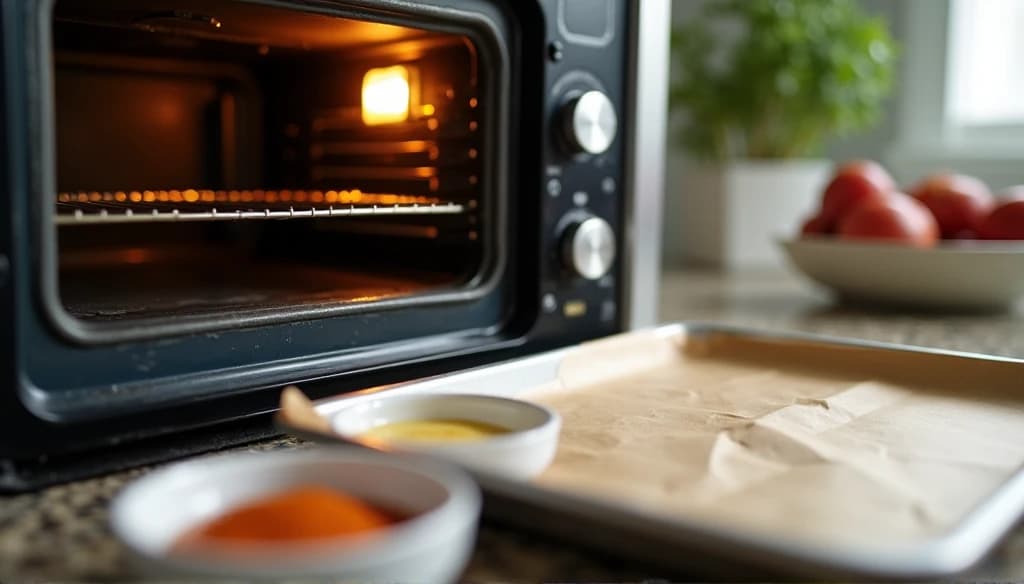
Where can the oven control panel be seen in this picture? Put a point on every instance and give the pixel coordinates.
(583, 162)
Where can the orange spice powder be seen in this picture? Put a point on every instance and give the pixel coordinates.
(299, 514)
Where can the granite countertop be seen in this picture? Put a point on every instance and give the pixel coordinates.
(60, 534)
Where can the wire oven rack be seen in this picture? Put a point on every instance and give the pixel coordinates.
(90, 208)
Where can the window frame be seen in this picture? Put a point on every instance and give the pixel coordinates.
(926, 138)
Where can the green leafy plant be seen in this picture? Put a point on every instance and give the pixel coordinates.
(776, 78)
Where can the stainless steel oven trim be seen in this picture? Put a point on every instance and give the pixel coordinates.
(482, 30)
(647, 114)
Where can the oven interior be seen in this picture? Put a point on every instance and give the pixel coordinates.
(224, 156)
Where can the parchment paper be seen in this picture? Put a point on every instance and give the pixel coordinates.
(847, 445)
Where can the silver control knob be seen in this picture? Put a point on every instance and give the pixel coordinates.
(588, 248)
(590, 123)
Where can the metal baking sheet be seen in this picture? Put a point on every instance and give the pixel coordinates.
(974, 401)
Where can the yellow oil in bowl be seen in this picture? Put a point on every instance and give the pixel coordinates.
(433, 431)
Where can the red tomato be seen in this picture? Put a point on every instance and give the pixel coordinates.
(959, 202)
(965, 234)
(857, 182)
(815, 226)
(897, 218)
(1006, 221)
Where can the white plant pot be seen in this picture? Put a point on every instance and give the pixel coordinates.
(730, 215)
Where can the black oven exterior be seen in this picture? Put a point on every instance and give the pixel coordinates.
(68, 395)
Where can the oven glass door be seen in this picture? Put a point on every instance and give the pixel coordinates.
(222, 158)
(237, 194)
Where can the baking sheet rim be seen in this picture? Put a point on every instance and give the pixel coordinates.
(954, 551)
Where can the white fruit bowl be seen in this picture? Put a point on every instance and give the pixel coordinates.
(961, 275)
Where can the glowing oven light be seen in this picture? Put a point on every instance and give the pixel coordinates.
(386, 95)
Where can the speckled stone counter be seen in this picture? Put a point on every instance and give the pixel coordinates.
(60, 534)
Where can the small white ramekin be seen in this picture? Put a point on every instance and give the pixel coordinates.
(433, 545)
(524, 451)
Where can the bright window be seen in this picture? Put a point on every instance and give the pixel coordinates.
(986, 60)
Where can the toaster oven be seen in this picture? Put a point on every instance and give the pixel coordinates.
(204, 201)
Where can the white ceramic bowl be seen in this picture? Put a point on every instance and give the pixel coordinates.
(523, 452)
(969, 275)
(433, 545)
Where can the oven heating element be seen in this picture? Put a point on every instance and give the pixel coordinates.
(85, 208)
